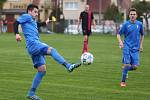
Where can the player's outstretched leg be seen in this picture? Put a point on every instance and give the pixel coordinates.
(57, 57)
(71, 67)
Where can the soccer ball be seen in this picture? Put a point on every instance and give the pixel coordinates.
(87, 58)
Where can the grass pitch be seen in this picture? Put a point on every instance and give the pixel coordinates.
(99, 81)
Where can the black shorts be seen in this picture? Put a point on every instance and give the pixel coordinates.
(87, 32)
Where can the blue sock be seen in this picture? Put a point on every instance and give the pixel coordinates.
(66, 64)
(56, 56)
(124, 73)
(36, 82)
(130, 68)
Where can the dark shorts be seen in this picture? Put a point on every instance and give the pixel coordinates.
(87, 32)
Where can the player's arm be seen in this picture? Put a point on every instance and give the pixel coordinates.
(39, 24)
(93, 21)
(141, 42)
(79, 22)
(141, 38)
(120, 41)
(94, 24)
(121, 31)
(18, 37)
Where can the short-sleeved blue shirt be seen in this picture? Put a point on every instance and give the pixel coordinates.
(132, 33)
(31, 34)
(29, 28)
(36, 49)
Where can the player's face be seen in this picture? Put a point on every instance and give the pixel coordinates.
(132, 15)
(87, 8)
(34, 13)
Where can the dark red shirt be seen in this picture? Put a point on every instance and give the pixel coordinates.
(87, 18)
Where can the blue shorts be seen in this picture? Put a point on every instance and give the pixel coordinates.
(130, 57)
(38, 60)
(37, 51)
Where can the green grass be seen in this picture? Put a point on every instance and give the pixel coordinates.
(99, 81)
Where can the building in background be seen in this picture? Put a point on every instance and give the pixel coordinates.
(100, 6)
(72, 9)
(124, 6)
(13, 8)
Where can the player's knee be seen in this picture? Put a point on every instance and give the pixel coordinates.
(50, 50)
(135, 67)
(42, 68)
(85, 37)
(46, 50)
(126, 65)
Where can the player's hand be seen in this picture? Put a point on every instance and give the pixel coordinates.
(94, 27)
(121, 44)
(141, 49)
(18, 38)
(78, 29)
(47, 21)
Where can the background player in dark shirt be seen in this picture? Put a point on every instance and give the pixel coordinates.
(87, 19)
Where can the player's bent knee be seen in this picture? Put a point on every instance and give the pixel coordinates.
(135, 67)
(49, 50)
(85, 37)
(126, 65)
(42, 68)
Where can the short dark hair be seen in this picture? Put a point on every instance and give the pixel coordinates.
(132, 9)
(31, 7)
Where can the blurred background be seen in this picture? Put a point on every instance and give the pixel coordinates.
(109, 14)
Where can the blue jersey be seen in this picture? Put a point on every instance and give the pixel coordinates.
(29, 28)
(132, 33)
(31, 34)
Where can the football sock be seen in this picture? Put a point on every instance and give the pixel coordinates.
(85, 46)
(56, 56)
(130, 68)
(66, 64)
(125, 72)
(36, 82)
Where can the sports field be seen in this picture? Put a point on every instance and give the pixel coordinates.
(99, 81)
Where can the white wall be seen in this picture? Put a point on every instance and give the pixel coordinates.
(73, 13)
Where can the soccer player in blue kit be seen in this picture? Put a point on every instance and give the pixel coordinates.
(132, 45)
(36, 48)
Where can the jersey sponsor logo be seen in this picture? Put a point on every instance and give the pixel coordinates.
(129, 26)
(137, 26)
